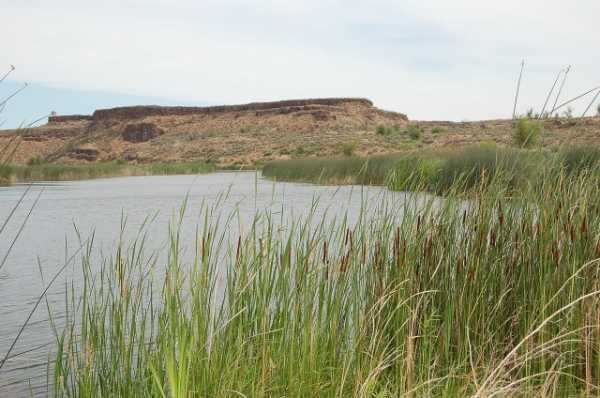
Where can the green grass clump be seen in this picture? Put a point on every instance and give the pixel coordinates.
(373, 170)
(417, 171)
(437, 129)
(349, 148)
(477, 167)
(527, 133)
(576, 158)
(35, 160)
(414, 132)
(382, 130)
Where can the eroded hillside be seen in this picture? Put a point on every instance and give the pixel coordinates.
(256, 133)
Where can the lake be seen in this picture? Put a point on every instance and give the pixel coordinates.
(53, 220)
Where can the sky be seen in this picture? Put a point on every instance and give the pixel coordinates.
(429, 59)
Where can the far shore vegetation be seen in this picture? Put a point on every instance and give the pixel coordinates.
(37, 170)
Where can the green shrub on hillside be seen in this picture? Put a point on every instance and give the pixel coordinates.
(382, 130)
(437, 129)
(527, 133)
(35, 160)
(414, 132)
(349, 148)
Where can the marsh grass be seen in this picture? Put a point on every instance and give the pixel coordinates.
(64, 172)
(422, 296)
(374, 170)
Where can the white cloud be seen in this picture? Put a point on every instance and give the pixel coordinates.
(429, 59)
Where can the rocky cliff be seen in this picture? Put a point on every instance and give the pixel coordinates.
(136, 112)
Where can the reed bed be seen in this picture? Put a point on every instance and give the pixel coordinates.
(65, 172)
(373, 170)
(422, 296)
(442, 171)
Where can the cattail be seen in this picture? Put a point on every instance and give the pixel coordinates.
(418, 223)
(238, 252)
(397, 247)
(351, 240)
(464, 218)
(378, 255)
(344, 265)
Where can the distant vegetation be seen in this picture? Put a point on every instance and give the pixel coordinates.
(414, 131)
(36, 170)
(527, 132)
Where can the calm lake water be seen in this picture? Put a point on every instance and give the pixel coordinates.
(47, 234)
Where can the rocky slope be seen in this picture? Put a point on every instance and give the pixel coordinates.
(255, 133)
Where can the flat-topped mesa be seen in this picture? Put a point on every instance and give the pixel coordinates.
(134, 112)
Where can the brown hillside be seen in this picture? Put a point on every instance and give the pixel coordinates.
(256, 133)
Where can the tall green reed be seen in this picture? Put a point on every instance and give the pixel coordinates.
(423, 296)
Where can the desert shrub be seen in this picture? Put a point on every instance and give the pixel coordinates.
(437, 129)
(35, 160)
(414, 132)
(301, 149)
(380, 129)
(349, 148)
(527, 133)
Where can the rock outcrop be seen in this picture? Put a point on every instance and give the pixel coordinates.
(141, 132)
(69, 118)
(137, 112)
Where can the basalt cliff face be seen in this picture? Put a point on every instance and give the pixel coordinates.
(238, 134)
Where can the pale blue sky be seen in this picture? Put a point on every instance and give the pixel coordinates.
(432, 60)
